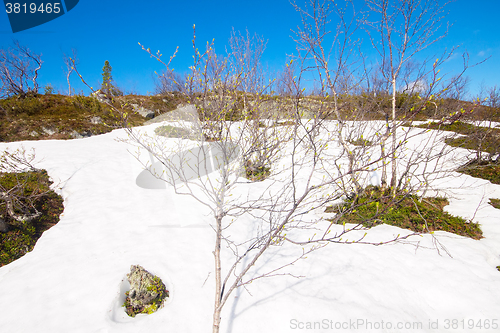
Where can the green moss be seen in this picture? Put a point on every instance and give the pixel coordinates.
(489, 143)
(476, 137)
(174, 132)
(495, 203)
(361, 142)
(374, 207)
(259, 174)
(158, 287)
(457, 127)
(26, 106)
(84, 103)
(284, 123)
(159, 103)
(483, 170)
(22, 237)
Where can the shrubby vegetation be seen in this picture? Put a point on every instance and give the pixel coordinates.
(483, 141)
(495, 203)
(482, 169)
(29, 191)
(406, 211)
(57, 116)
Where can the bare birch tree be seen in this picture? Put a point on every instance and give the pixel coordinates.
(70, 61)
(332, 56)
(203, 159)
(19, 68)
(313, 162)
(405, 29)
(17, 208)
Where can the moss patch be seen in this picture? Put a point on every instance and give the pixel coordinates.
(175, 132)
(476, 137)
(284, 123)
(361, 142)
(483, 170)
(147, 294)
(257, 174)
(158, 103)
(22, 237)
(374, 207)
(457, 127)
(495, 203)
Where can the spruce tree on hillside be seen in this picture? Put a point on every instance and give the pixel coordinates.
(106, 78)
(107, 86)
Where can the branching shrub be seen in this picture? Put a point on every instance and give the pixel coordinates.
(28, 206)
(29, 105)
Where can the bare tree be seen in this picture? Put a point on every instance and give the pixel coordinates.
(401, 30)
(19, 68)
(458, 88)
(245, 54)
(333, 59)
(169, 81)
(316, 161)
(209, 169)
(70, 62)
(482, 137)
(493, 97)
(17, 208)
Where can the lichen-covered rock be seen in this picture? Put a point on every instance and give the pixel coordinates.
(147, 292)
(149, 114)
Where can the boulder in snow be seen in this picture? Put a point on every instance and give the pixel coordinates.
(147, 292)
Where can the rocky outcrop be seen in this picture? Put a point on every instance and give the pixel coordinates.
(101, 97)
(96, 120)
(49, 131)
(147, 292)
(149, 114)
(81, 135)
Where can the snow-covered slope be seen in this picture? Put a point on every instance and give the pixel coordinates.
(73, 280)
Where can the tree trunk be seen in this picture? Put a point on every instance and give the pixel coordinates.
(383, 181)
(69, 84)
(393, 129)
(218, 278)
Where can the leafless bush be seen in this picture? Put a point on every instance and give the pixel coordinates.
(19, 68)
(308, 167)
(17, 206)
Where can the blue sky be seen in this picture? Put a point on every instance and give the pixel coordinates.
(111, 30)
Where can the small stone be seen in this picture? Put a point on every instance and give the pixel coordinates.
(49, 131)
(76, 135)
(83, 134)
(96, 120)
(147, 292)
